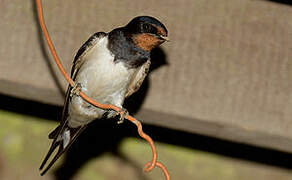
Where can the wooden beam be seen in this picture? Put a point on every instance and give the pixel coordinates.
(226, 73)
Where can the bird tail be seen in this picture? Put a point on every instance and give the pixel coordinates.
(63, 137)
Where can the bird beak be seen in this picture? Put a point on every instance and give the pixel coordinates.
(165, 38)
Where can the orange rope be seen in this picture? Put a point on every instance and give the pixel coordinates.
(150, 165)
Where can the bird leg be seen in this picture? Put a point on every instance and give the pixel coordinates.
(123, 114)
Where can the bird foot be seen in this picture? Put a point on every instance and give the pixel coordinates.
(76, 90)
(123, 114)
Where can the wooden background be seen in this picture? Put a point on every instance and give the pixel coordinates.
(226, 73)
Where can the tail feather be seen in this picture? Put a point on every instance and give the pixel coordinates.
(56, 157)
(51, 150)
(54, 133)
(63, 137)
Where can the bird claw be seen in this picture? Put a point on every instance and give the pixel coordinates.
(123, 114)
(76, 90)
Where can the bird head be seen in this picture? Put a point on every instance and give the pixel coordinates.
(147, 32)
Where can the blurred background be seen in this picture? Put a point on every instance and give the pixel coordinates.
(217, 100)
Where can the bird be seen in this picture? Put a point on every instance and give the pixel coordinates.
(109, 67)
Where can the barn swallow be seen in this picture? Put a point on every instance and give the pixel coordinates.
(108, 67)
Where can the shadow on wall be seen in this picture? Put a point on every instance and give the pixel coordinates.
(106, 136)
(287, 2)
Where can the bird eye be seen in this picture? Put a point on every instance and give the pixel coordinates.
(146, 27)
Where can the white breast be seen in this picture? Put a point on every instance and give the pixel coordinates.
(99, 74)
(102, 79)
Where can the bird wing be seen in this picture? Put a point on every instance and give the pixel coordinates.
(87, 46)
(138, 78)
(63, 136)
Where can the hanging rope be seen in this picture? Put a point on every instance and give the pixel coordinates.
(150, 165)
